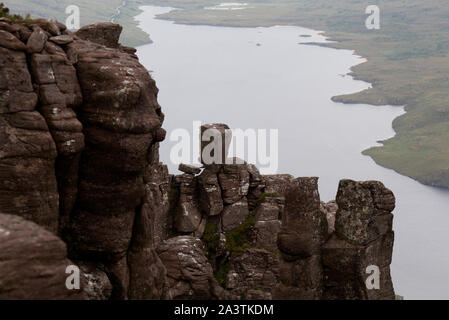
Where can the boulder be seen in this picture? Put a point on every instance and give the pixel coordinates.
(62, 39)
(186, 168)
(104, 33)
(190, 275)
(36, 41)
(234, 215)
(8, 41)
(33, 262)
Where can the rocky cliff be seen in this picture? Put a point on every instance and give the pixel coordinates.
(81, 184)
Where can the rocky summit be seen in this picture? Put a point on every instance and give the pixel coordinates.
(82, 187)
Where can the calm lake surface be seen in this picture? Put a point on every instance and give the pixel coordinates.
(264, 78)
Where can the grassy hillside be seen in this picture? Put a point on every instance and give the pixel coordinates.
(408, 62)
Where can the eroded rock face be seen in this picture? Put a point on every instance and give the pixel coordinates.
(28, 185)
(363, 239)
(188, 214)
(80, 126)
(363, 211)
(304, 228)
(96, 283)
(329, 209)
(256, 269)
(234, 215)
(104, 33)
(211, 201)
(189, 273)
(33, 262)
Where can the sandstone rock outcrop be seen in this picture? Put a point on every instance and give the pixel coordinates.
(363, 238)
(80, 124)
(33, 262)
(80, 128)
(189, 274)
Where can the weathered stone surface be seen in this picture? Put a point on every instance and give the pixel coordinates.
(186, 168)
(96, 284)
(104, 33)
(254, 269)
(189, 273)
(8, 41)
(256, 178)
(234, 181)
(266, 234)
(36, 41)
(97, 234)
(300, 280)
(62, 40)
(278, 184)
(59, 92)
(16, 89)
(355, 210)
(268, 222)
(304, 228)
(254, 196)
(119, 116)
(33, 262)
(329, 210)
(363, 209)
(383, 198)
(147, 273)
(157, 202)
(28, 183)
(209, 189)
(234, 215)
(270, 209)
(345, 269)
(187, 216)
(118, 273)
(199, 232)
